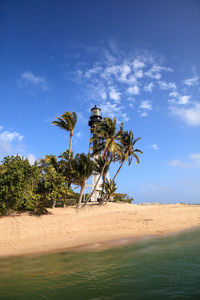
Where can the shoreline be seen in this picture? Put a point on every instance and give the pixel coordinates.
(92, 228)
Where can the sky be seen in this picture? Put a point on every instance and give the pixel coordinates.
(138, 60)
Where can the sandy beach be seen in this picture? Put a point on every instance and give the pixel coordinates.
(92, 227)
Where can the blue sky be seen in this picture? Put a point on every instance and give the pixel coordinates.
(138, 60)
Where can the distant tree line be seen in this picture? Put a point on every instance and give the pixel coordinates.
(34, 188)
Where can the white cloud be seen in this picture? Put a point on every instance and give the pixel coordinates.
(125, 117)
(103, 94)
(163, 85)
(115, 95)
(146, 105)
(194, 161)
(11, 136)
(192, 81)
(131, 102)
(92, 71)
(134, 90)
(31, 158)
(109, 71)
(143, 114)
(111, 110)
(1, 127)
(190, 115)
(8, 140)
(195, 157)
(155, 146)
(138, 73)
(125, 70)
(150, 186)
(155, 71)
(173, 94)
(149, 87)
(137, 64)
(178, 163)
(183, 100)
(29, 77)
(79, 134)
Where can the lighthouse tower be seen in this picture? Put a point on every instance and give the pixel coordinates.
(95, 118)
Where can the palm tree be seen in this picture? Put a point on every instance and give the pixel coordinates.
(105, 138)
(66, 166)
(53, 176)
(127, 152)
(67, 121)
(109, 189)
(49, 163)
(83, 167)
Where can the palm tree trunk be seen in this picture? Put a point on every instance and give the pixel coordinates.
(90, 196)
(81, 195)
(102, 198)
(117, 171)
(54, 203)
(70, 145)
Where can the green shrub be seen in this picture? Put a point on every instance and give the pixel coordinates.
(118, 197)
(18, 184)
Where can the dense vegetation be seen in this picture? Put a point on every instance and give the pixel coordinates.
(25, 187)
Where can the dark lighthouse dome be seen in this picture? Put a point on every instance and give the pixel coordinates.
(95, 116)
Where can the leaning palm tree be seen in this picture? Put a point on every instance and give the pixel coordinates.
(127, 152)
(67, 121)
(83, 167)
(105, 138)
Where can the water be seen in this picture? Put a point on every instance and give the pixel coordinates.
(159, 268)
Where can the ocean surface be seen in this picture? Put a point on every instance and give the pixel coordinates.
(156, 268)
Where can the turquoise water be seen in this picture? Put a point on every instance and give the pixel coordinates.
(159, 268)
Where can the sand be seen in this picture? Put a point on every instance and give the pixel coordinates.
(92, 227)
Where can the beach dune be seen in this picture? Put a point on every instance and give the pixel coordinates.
(92, 227)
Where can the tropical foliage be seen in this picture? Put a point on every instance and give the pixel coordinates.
(49, 181)
(67, 121)
(122, 198)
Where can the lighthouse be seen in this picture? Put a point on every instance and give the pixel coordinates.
(95, 118)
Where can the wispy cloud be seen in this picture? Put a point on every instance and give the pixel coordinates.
(11, 136)
(28, 78)
(8, 140)
(79, 134)
(166, 85)
(149, 87)
(146, 105)
(138, 64)
(155, 146)
(114, 94)
(11, 143)
(150, 186)
(134, 90)
(116, 75)
(156, 71)
(189, 115)
(192, 81)
(183, 100)
(193, 161)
